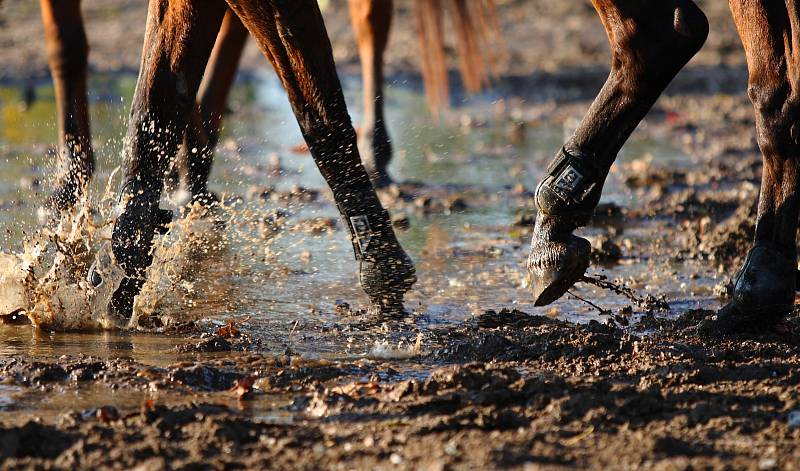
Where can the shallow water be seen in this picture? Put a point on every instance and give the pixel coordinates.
(283, 291)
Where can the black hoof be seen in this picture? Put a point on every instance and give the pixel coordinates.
(132, 243)
(763, 293)
(554, 266)
(386, 281)
(121, 306)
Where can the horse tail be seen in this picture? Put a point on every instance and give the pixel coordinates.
(476, 29)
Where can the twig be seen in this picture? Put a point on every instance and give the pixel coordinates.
(603, 312)
(649, 302)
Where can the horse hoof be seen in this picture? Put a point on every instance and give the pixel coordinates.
(554, 266)
(120, 309)
(763, 293)
(386, 281)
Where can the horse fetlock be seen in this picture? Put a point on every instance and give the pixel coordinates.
(375, 148)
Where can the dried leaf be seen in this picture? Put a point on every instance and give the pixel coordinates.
(229, 330)
(242, 387)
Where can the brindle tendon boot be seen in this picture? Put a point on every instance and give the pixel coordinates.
(132, 241)
(565, 200)
(763, 292)
(386, 272)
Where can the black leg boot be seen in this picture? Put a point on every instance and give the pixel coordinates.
(386, 272)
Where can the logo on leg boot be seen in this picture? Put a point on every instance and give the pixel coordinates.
(567, 182)
(361, 231)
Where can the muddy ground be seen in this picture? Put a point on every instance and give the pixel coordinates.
(503, 389)
(508, 390)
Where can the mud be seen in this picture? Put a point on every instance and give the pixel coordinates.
(286, 371)
(508, 390)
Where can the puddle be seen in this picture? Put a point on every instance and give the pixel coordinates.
(284, 290)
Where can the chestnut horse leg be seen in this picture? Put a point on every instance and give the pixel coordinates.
(764, 288)
(67, 54)
(202, 134)
(292, 35)
(650, 42)
(371, 21)
(178, 40)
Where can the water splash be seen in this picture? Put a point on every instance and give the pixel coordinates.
(47, 282)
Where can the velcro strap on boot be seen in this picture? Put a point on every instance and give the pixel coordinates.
(569, 180)
(361, 224)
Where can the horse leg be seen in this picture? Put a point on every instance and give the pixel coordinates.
(292, 35)
(764, 288)
(202, 134)
(68, 53)
(178, 40)
(650, 42)
(371, 21)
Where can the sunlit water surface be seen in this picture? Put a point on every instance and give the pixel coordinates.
(283, 290)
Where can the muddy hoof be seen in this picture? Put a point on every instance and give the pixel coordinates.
(386, 281)
(554, 266)
(120, 309)
(763, 293)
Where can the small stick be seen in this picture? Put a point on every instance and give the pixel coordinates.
(650, 303)
(603, 312)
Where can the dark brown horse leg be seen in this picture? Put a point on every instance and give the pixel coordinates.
(178, 40)
(764, 288)
(650, 42)
(292, 35)
(371, 21)
(202, 134)
(67, 54)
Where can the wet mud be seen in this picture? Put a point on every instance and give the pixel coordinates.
(508, 390)
(259, 354)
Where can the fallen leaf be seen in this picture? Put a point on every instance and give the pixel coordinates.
(229, 330)
(242, 387)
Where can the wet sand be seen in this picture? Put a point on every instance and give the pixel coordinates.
(475, 377)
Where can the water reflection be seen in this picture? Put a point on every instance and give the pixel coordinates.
(469, 261)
